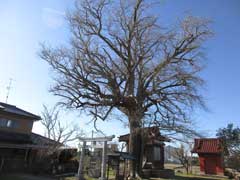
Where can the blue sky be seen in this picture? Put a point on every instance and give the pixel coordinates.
(26, 23)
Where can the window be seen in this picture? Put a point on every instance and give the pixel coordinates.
(157, 154)
(7, 123)
(12, 124)
(30, 125)
(3, 122)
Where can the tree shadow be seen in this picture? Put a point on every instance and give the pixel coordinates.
(192, 178)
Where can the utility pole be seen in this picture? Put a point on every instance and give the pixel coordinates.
(8, 89)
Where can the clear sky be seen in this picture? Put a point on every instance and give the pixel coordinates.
(26, 23)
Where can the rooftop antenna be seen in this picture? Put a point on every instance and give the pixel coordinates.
(9, 87)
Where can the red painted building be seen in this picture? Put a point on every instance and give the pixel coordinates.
(210, 152)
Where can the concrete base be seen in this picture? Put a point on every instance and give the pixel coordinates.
(94, 173)
(158, 173)
(102, 178)
(79, 177)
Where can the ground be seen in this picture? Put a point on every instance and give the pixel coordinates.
(196, 177)
(182, 177)
(23, 177)
(178, 177)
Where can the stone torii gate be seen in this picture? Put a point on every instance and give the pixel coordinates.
(80, 175)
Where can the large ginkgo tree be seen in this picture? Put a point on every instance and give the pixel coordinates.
(121, 58)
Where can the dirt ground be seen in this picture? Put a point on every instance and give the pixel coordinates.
(178, 167)
(23, 177)
(178, 177)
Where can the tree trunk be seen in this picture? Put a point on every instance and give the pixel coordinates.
(135, 144)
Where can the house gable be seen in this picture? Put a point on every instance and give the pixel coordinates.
(14, 119)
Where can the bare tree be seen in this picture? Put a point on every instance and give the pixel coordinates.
(184, 157)
(56, 130)
(120, 58)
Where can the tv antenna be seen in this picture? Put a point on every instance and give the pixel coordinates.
(9, 87)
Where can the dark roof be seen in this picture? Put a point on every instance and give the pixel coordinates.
(208, 145)
(38, 139)
(153, 134)
(11, 109)
(122, 155)
(13, 137)
(124, 138)
(21, 138)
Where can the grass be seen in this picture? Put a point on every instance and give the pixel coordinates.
(197, 177)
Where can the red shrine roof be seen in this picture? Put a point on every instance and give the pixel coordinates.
(208, 145)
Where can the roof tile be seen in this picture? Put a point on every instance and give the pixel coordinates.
(208, 145)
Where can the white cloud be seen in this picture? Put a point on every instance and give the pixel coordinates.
(53, 18)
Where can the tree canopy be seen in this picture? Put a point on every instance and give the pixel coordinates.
(231, 136)
(121, 58)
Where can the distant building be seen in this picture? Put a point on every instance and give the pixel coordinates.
(210, 152)
(169, 154)
(18, 144)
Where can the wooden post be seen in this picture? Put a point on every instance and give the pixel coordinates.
(26, 155)
(162, 155)
(191, 164)
(2, 163)
(108, 170)
(118, 169)
(80, 175)
(104, 158)
(124, 170)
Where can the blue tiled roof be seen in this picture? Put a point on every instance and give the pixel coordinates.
(7, 108)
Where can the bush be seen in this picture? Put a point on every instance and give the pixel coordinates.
(233, 161)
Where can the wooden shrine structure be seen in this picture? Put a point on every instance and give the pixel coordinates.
(153, 151)
(211, 153)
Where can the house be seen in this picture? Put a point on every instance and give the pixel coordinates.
(210, 152)
(153, 152)
(18, 144)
